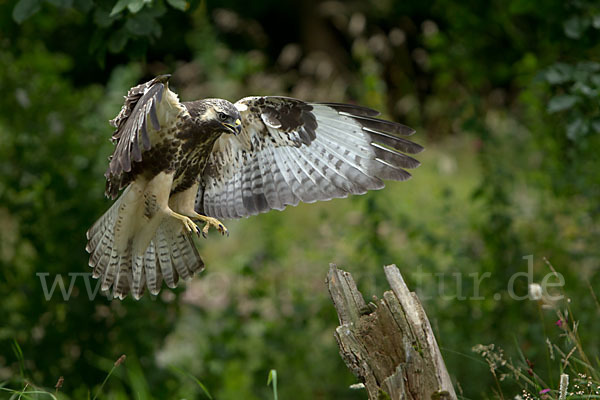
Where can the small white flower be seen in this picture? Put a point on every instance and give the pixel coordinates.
(535, 291)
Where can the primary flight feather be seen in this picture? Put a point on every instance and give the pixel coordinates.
(179, 163)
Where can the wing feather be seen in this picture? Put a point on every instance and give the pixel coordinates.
(300, 185)
(291, 151)
(133, 136)
(140, 104)
(270, 181)
(283, 191)
(287, 177)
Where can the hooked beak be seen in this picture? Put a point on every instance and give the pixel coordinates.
(235, 129)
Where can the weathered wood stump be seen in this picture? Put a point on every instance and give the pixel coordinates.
(389, 345)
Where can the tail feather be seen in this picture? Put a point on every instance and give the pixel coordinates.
(111, 269)
(189, 255)
(164, 258)
(153, 276)
(100, 266)
(101, 249)
(170, 254)
(98, 231)
(184, 269)
(139, 276)
(124, 275)
(184, 256)
(97, 253)
(106, 222)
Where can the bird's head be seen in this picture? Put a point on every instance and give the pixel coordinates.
(223, 116)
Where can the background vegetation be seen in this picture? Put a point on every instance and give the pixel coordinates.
(504, 95)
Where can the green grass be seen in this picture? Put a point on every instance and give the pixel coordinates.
(33, 393)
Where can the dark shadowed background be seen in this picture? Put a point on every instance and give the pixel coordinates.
(504, 96)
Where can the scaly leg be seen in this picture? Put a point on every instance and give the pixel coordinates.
(188, 224)
(210, 221)
(183, 203)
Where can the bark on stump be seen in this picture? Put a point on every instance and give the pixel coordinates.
(389, 345)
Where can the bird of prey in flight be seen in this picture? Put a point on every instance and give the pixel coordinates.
(182, 163)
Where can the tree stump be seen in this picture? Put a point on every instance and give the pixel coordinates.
(389, 345)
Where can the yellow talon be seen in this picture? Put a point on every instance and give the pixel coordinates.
(210, 221)
(188, 224)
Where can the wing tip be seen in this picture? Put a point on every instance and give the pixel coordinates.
(417, 149)
(352, 109)
(392, 173)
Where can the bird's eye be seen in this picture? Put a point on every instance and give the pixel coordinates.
(222, 116)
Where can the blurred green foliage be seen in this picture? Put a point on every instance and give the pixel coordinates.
(504, 94)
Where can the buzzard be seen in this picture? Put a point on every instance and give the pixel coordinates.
(179, 163)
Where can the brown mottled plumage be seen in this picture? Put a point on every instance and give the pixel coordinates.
(207, 159)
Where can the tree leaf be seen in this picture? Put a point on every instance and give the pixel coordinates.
(559, 73)
(575, 26)
(120, 6)
(588, 66)
(158, 9)
(117, 41)
(584, 90)
(136, 5)
(577, 128)
(596, 21)
(25, 9)
(83, 6)
(61, 3)
(561, 102)
(179, 4)
(141, 25)
(102, 18)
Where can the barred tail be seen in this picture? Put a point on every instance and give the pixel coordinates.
(170, 254)
(101, 238)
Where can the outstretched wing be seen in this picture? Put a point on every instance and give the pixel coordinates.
(151, 100)
(291, 151)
